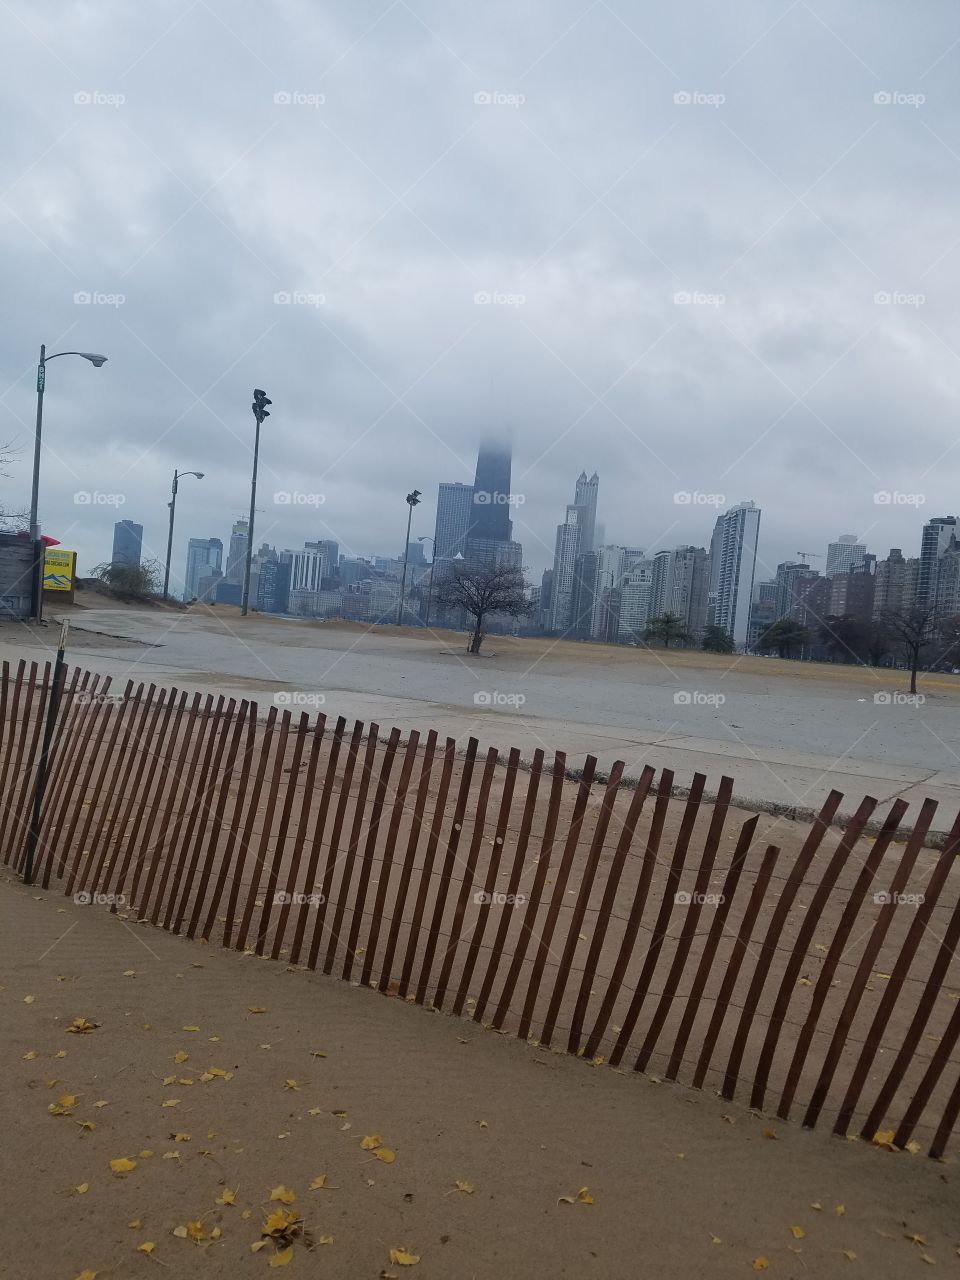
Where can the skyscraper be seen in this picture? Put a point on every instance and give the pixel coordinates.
(237, 555)
(936, 538)
(127, 543)
(491, 494)
(585, 498)
(455, 515)
(846, 553)
(204, 558)
(564, 571)
(733, 557)
(679, 586)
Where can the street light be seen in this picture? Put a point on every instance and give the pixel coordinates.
(36, 606)
(413, 500)
(260, 412)
(172, 504)
(433, 558)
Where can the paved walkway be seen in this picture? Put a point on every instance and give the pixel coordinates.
(213, 1072)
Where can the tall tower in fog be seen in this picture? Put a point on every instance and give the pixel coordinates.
(491, 494)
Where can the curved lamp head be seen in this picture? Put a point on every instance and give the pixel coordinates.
(198, 474)
(95, 360)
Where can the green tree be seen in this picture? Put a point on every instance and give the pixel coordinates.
(716, 639)
(667, 628)
(785, 636)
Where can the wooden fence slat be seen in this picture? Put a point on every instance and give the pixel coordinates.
(605, 911)
(582, 901)
(386, 864)
(222, 776)
(133, 840)
(278, 740)
(513, 884)
(446, 871)
(732, 970)
(490, 879)
(26, 750)
(198, 720)
(536, 889)
(369, 852)
(109, 764)
(947, 1123)
(867, 960)
(426, 871)
(635, 915)
(252, 798)
(350, 856)
(781, 909)
(64, 753)
(63, 797)
(163, 819)
(233, 826)
(728, 894)
(306, 808)
(409, 857)
(685, 941)
(280, 844)
(557, 890)
(661, 925)
(316, 842)
(935, 1068)
(10, 737)
(892, 988)
(835, 951)
(333, 851)
(808, 925)
(929, 991)
(466, 887)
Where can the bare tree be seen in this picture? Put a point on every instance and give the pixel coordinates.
(10, 521)
(912, 629)
(481, 590)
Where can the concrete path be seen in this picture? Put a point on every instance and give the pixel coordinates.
(787, 733)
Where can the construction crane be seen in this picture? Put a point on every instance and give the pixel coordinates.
(808, 555)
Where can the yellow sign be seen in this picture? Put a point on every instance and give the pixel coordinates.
(58, 569)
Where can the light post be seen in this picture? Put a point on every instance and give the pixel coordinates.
(413, 500)
(172, 504)
(36, 606)
(433, 558)
(260, 412)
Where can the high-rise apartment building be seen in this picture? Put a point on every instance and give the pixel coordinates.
(564, 571)
(679, 586)
(204, 560)
(895, 582)
(237, 555)
(789, 573)
(634, 611)
(936, 539)
(844, 554)
(127, 543)
(733, 556)
(455, 516)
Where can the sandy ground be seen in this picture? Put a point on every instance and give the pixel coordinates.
(682, 1183)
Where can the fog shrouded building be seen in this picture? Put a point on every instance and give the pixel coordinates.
(491, 494)
(204, 560)
(127, 543)
(733, 557)
(844, 554)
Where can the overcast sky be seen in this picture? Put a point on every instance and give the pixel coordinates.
(202, 161)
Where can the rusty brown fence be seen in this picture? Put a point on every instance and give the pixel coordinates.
(814, 977)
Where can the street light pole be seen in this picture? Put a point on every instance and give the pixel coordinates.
(36, 604)
(413, 500)
(172, 504)
(260, 412)
(433, 558)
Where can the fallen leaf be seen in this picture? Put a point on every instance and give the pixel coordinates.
(227, 1196)
(181, 1137)
(190, 1028)
(122, 1165)
(291, 1084)
(134, 1224)
(385, 1154)
(129, 973)
(82, 1189)
(325, 1240)
(180, 1233)
(583, 1196)
(797, 1232)
(849, 1255)
(256, 1008)
(768, 1133)
(147, 1247)
(88, 1275)
(368, 1143)
(466, 1187)
(816, 1205)
(282, 1194)
(29, 999)
(258, 1245)
(716, 1240)
(195, 1230)
(914, 1238)
(884, 1138)
(403, 1258)
(30, 1055)
(180, 1056)
(840, 1210)
(171, 1102)
(216, 1233)
(101, 1103)
(761, 1263)
(282, 1256)
(81, 1027)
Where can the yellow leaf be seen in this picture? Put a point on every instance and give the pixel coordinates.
(29, 999)
(134, 1224)
(171, 1102)
(282, 1194)
(61, 1053)
(314, 1111)
(146, 1153)
(925, 1257)
(315, 1053)
(291, 1084)
(216, 1233)
(318, 1183)
(761, 1263)
(82, 1189)
(190, 1028)
(840, 1210)
(227, 1196)
(716, 1240)
(729, 1119)
(258, 1245)
(914, 1147)
(80, 1026)
(325, 1240)
(584, 1196)
(195, 1230)
(884, 1138)
(816, 1205)
(797, 1232)
(85, 1124)
(385, 1154)
(180, 1233)
(180, 1056)
(849, 1255)
(129, 973)
(466, 1187)
(282, 1257)
(101, 1103)
(768, 1133)
(184, 1080)
(403, 1258)
(256, 1008)
(168, 1080)
(371, 1141)
(88, 1275)
(147, 1247)
(122, 1165)
(30, 1055)
(181, 1137)
(914, 1238)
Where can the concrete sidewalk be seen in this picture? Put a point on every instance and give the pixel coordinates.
(681, 1183)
